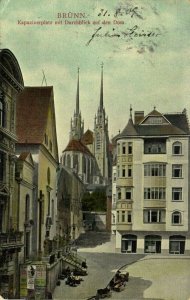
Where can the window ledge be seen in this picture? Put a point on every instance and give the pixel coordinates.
(154, 222)
(177, 200)
(177, 224)
(177, 178)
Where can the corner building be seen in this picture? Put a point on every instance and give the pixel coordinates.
(152, 185)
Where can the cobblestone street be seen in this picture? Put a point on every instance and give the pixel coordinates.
(150, 277)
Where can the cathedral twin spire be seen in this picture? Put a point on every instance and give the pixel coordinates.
(77, 125)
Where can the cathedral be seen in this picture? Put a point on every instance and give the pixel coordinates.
(87, 153)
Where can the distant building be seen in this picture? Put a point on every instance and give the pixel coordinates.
(152, 185)
(36, 131)
(10, 235)
(87, 154)
(70, 190)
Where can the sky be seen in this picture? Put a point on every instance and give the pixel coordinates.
(143, 44)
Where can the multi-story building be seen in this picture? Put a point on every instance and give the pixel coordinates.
(69, 195)
(10, 237)
(36, 131)
(152, 212)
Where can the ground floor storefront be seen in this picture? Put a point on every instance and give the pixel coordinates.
(154, 242)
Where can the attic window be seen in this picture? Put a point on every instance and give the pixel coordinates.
(155, 120)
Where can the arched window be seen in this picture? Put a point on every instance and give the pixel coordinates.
(152, 244)
(176, 217)
(177, 148)
(177, 244)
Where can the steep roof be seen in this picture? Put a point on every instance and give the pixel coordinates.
(129, 130)
(87, 137)
(31, 114)
(77, 145)
(172, 124)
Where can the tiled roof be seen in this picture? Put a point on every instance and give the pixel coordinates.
(129, 130)
(23, 155)
(31, 114)
(76, 145)
(177, 125)
(179, 120)
(87, 137)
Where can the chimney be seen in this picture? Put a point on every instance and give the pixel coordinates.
(139, 116)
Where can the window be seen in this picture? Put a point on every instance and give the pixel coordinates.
(155, 170)
(27, 208)
(114, 177)
(50, 145)
(123, 171)
(118, 171)
(123, 216)
(128, 193)
(154, 216)
(114, 198)
(113, 219)
(98, 141)
(176, 217)
(46, 139)
(152, 244)
(118, 216)
(119, 194)
(52, 211)
(1, 165)
(118, 149)
(176, 194)
(129, 171)
(129, 219)
(2, 109)
(123, 148)
(177, 244)
(177, 171)
(130, 148)
(155, 193)
(177, 148)
(154, 146)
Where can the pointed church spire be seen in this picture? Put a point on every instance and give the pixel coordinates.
(77, 96)
(101, 89)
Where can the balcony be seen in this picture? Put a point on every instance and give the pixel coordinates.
(11, 240)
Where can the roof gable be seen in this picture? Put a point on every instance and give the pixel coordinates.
(36, 116)
(154, 118)
(77, 145)
(27, 157)
(87, 137)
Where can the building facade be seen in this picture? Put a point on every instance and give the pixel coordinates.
(11, 84)
(23, 204)
(70, 192)
(152, 186)
(36, 131)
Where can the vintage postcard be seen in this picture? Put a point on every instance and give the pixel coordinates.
(94, 149)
